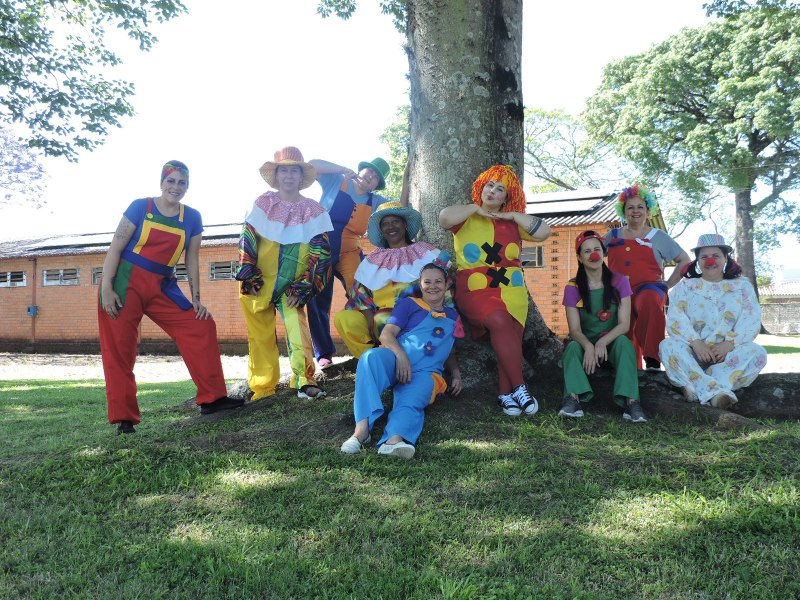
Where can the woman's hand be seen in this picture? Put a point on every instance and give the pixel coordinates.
(201, 312)
(480, 211)
(111, 303)
(292, 301)
(702, 352)
(720, 350)
(403, 369)
(600, 351)
(504, 216)
(589, 360)
(455, 384)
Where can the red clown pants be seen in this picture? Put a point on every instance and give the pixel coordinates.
(196, 340)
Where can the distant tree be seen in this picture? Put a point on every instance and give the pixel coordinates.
(397, 137)
(21, 173)
(714, 106)
(52, 59)
(560, 156)
(729, 8)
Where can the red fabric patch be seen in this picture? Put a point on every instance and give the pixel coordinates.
(160, 246)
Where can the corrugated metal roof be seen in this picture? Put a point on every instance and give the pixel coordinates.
(98, 243)
(784, 289)
(580, 207)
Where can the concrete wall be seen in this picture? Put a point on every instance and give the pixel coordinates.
(781, 318)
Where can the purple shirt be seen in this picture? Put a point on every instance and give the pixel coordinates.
(572, 296)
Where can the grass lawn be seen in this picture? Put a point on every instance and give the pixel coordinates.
(261, 504)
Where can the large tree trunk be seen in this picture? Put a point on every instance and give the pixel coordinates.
(467, 114)
(744, 235)
(466, 99)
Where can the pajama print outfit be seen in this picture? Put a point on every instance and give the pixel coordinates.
(713, 312)
(490, 289)
(426, 336)
(594, 325)
(284, 251)
(381, 276)
(349, 214)
(146, 285)
(642, 260)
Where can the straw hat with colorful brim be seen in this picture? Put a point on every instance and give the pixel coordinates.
(412, 217)
(381, 168)
(712, 240)
(288, 156)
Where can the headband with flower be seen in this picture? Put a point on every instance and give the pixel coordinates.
(636, 190)
(515, 199)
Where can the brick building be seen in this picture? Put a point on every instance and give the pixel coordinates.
(48, 287)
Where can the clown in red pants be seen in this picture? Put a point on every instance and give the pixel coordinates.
(196, 340)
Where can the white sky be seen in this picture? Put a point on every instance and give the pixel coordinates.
(225, 87)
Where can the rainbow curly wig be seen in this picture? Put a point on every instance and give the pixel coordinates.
(515, 200)
(632, 192)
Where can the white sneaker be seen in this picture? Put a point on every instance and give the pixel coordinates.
(352, 445)
(400, 449)
(526, 402)
(506, 402)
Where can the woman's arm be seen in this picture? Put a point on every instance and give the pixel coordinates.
(193, 274)
(389, 340)
(110, 300)
(683, 259)
(748, 324)
(539, 227)
(324, 167)
(454, 215)
(623, 321)
(576, 333)
(455, 373)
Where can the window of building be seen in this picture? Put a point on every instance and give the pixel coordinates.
(532, 256)
(13, 279)
(97, 274)
(180, 272)
(223, 270)
(60, 277)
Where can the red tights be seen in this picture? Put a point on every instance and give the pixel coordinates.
(505, 335)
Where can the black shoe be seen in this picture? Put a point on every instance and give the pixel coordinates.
(125, 427)
(634, 413)
(223, 403)
(651, 364)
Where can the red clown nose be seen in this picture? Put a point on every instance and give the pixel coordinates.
(709, 262)
(595, 256)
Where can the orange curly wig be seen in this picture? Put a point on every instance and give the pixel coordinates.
(515, 200)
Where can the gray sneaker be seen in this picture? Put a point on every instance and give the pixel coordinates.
(634, 413)
(571, 407)
(511, 408)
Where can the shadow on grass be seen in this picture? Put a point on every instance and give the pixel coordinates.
(260, 501)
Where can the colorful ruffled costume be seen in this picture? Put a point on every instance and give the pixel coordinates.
(283, 251)
(379, 280)
(713, 312)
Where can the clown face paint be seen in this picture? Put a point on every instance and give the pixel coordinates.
(711, 261)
